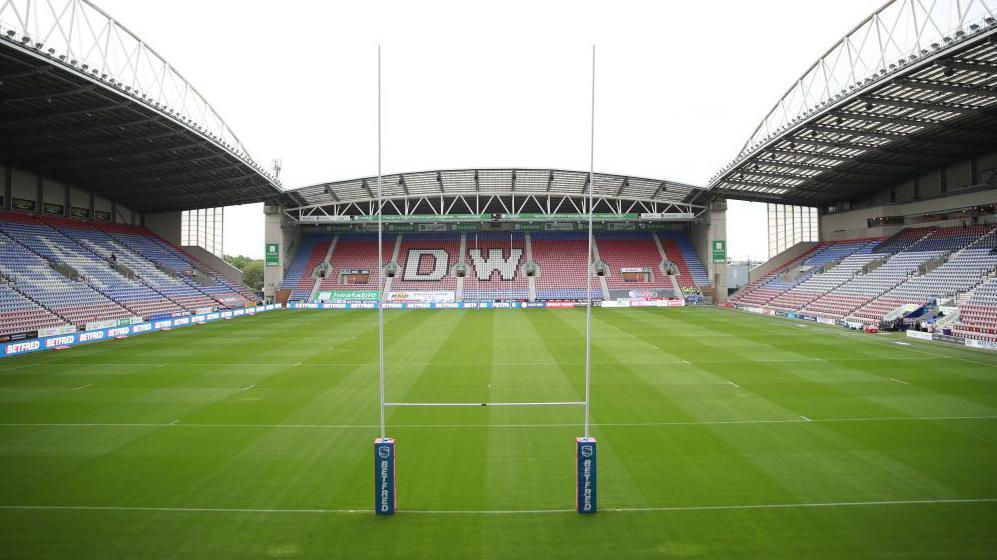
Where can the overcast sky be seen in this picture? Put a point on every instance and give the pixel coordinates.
(679, 85)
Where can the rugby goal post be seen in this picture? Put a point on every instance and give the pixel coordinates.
(385, 502)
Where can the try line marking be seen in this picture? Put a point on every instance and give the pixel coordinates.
(810, 505)
(798, 420)
(555, 403)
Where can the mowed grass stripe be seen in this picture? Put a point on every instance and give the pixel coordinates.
(673, 435)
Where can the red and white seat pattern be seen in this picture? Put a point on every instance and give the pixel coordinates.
(563, 260)
(978, 316)
(495, 266)
(622, 250)
(426, 262)
(357, 252)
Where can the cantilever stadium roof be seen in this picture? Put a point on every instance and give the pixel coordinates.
(500, 182)
(84, 101)
(838, 136)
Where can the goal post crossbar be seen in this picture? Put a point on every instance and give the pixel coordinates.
(552, 403)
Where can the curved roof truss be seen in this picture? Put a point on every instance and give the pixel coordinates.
(912, 87)
(484, 191)
(897, 35)
(78, 36)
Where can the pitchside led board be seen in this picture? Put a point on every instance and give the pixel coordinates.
(585, 499)
(384, 476)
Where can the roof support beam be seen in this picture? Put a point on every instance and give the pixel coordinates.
(981, 91)
(763, 197)
(33, 71)
(891, 136)
(908, 121)
(863, 158)
(123, 156)
(758, 185)
(192, 170)
(182, 188)
(49, 148)
(45, 95)
(623, 186)
(984, 67)
(45, 132)
(849, 144)
(48, 114)
(784, 164)
(919, 105)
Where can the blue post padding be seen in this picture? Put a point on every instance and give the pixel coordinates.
(585, 455)
(384, 476)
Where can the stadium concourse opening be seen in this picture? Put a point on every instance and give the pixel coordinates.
(475, 321)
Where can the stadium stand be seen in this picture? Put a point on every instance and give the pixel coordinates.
(355, 251)
(298, 276)
(562, 257)
(866, 281)
(864, 288)
(805, 269)
(756, 293)
(902, 240)
(138, 294)
(426, 261)
(637, 250)
(495, 266)
(835, 273)
(39, 254)
(176, 262)
(963, 270)
(978, 315)
(77, 272)
(680, 251)
(18, 314)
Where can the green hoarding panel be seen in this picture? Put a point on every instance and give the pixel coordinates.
(719, 250)
(273, 254)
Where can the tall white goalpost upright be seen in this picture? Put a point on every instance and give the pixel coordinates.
(384, 447)
(585, 446)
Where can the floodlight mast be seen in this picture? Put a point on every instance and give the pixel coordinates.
(591, 259)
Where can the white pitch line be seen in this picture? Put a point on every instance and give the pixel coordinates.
(539, 363)
(320, 511)
(732, 384)
(899, 381)
(83, 386)
(555, 403)
(800, 420)
(174, 423)
(805, 418)
(901, 343)
(249, 387)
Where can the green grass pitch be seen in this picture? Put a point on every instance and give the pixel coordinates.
(722, 435)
